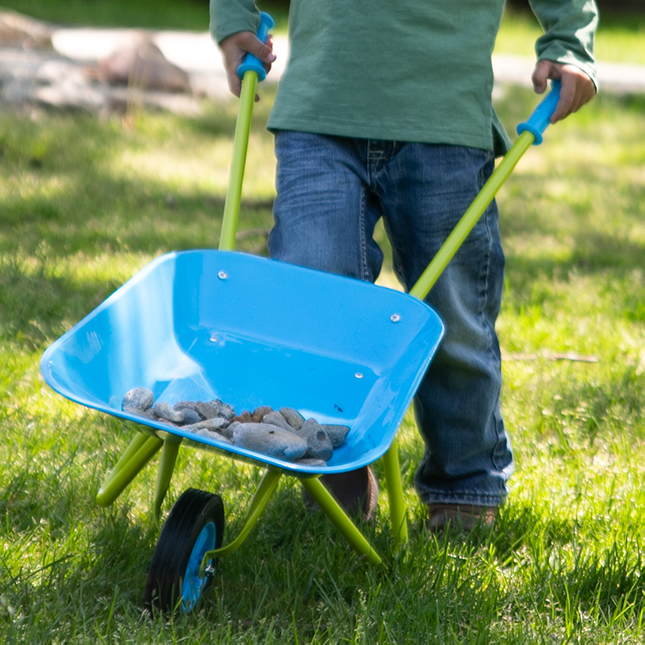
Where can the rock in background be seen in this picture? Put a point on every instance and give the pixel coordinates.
(130, 70)
(23, 32)
(141, 64)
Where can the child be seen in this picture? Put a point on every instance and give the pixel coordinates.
(385, 110)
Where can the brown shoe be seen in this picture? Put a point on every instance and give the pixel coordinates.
(356, 491)
(462, 517)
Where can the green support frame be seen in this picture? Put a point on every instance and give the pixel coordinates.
(140, 451)
(169, 454)
(339, 519)
(394, 486)
(321, 496)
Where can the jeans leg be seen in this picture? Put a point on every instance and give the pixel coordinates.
(324, 218)
(324, 215)
(424, 191)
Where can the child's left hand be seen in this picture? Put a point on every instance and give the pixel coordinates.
(577, 88)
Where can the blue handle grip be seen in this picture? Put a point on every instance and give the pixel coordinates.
(539, 120)
(251, 63)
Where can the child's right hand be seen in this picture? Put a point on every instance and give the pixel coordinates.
(235, 47)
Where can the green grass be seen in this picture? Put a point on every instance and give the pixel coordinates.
(154, 14)
(87, 202)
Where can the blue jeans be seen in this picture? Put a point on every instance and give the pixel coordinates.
(331, 191)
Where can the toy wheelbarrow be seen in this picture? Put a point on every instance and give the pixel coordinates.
(200, 325)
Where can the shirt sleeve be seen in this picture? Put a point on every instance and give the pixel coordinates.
(570, 27)
(229, 17)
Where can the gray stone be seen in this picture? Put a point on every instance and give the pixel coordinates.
(205, 432)
(186, 405)
(276, 419)
(318, 443)
(146, 414)
(269, 440)
(207, 410)
(319, 446)
(165, 411)
(223, 409)
(190, 416)
(312, 463)
(214, 425)
(227, 411)
(293, 417)
(229, 430)
(310, 426)
(139, 398)
(336, 433)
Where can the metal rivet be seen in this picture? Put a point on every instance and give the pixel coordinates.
(395, 317)
(222, 275)
(358, 375)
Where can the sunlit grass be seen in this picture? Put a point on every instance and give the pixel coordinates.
(88, 202)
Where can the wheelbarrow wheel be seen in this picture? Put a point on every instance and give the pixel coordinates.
(194, 526)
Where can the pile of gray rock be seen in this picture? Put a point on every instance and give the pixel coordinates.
(283, 434)
(135, 72)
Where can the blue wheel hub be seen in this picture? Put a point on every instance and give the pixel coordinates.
(194, 584)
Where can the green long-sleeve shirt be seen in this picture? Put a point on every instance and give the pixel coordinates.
(404, 70)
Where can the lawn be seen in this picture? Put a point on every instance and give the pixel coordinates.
(87, 202)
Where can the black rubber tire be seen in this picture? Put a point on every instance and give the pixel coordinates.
(192, 512)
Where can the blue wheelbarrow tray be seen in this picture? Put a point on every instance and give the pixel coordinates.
(203, 325)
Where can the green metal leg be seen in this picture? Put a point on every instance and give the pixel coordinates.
(258, 503)
(340, 520)
(395, 496)
(137, 442)
(140, 451)
(166, 467)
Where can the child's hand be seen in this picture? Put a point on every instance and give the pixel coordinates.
(235, 47)
(577, 88)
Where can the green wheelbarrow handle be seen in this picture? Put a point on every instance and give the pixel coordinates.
(250, 71)
(530, 133)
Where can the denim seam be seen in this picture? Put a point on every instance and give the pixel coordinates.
(499, 432)
(487, 270)
(362, 239)
(369, 164)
